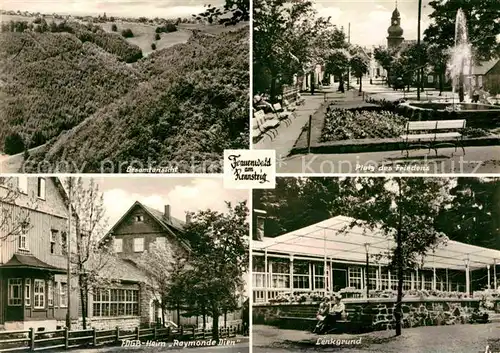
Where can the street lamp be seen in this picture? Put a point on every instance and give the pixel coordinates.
(418, 47)
(367, 250)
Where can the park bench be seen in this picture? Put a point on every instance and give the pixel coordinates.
(282, 114)
(433, 134)
(290, 107)
(261, 126)
(293, 95)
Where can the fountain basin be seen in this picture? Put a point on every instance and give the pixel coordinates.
(478, 115)
(460, 107)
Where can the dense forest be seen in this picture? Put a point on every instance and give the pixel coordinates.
(183, 103)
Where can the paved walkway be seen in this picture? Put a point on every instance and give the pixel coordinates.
(430, 339)
(288, 135)
(484, 159)
(476, 160)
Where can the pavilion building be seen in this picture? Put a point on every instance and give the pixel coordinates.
(331, 256)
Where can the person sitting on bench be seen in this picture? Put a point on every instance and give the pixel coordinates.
(336, 312)
(322, 314)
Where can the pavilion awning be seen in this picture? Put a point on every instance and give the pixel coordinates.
(334, 240)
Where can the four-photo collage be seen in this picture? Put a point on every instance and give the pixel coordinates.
(250, 176)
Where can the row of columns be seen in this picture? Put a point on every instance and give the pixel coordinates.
(415, 278)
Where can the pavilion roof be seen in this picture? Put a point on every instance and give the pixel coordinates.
(335, 240)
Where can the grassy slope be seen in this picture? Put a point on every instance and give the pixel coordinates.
(193, 105)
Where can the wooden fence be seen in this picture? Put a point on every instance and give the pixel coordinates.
(31, 340)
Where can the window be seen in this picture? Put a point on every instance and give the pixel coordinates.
(118, 244)
(53, 237)
(319, 276)
(23, 239)
(23, 185)
(301, 274)
(427, 281)
(63, 243)
(115, 302)
(384, 279)
(161, 242)
(138, 244)
(430, 79)
(50, 294)
(139, 218)
(63, 295)
(258, 272)
(15, 289)
(372, 278)
(27, 292)
(39, 297)
(41, 188)
(407, 281)
(355, 277)
(281, 274)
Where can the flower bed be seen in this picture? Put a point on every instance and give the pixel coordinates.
(343, 124)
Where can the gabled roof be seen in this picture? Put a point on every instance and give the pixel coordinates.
(335, 239)
(483, 67)
(20, 261)
(172, 225)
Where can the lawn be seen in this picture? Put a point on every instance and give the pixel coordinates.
(144, 35)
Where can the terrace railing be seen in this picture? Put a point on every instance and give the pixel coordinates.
(31, 340)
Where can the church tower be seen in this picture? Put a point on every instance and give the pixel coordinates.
(395, 31)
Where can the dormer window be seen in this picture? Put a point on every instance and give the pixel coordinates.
(139, 218)
(138, 244)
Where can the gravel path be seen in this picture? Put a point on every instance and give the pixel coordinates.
(430, 339)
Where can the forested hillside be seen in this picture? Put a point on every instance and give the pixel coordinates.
(186, 102)
(53, 81)
(191, 105)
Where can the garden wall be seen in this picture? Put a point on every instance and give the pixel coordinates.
(378, 314)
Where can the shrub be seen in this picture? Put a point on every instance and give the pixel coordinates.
(114, 28)
(153, 46)
(127, 33)
(157, 36)
(341, 124)
(14, 144)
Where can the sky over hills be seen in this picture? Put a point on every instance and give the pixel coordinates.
(124, 8)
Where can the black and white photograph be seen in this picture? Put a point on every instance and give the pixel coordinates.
(376, 264)
(113, 264)
(123, 86)
(377, 86)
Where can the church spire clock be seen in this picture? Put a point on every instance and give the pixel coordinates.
(395, 31)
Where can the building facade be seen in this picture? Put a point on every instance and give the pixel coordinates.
(33, 238)
(324, 258)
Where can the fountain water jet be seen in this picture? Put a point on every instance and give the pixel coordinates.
(460, 61)
(458, 67)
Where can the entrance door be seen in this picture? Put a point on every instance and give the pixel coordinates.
(339, 279)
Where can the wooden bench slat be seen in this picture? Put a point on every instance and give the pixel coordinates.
(432, 140)
(431, 136)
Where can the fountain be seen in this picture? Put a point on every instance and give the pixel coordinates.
(460, 56)
(459, 67)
